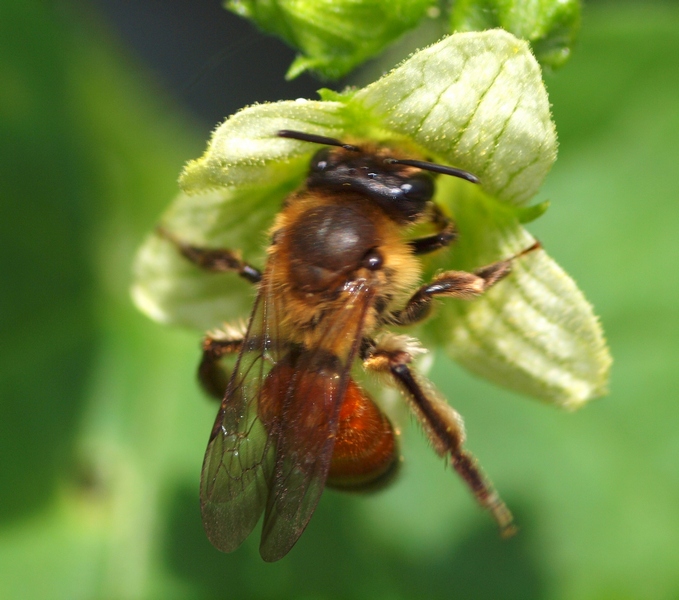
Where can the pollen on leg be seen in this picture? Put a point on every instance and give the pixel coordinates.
(229, 332)
(392, 348)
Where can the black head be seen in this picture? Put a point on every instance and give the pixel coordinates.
(401, 187)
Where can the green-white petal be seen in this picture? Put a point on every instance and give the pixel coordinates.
(244, 150)
(473, 100)
(533, 332)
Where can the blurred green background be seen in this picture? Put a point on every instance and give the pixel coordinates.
(103, 429)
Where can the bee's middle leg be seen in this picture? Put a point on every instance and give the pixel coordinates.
(455, 284)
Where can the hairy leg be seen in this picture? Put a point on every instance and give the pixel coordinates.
(216, 260)
(442, 424)
(442, 239)
(454, 284)
(217, 344)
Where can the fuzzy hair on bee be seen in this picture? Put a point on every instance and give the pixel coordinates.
(342, 271)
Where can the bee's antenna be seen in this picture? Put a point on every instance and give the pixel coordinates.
(315, 139)
(420, 164)
(435, 168)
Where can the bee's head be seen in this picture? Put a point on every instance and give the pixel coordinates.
(401, 187)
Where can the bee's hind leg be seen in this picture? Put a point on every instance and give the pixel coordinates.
(216, 260)
(212, 375)
(441, 423)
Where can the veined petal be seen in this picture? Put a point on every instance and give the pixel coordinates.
(534, 332)
(475, 101)
(245, 150)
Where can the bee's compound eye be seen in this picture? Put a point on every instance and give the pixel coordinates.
(419, 187)
(319, 162)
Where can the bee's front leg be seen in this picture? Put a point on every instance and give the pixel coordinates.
(217, 344)
(217, 260)
(454, 284)
(442, 424)
(443, 238)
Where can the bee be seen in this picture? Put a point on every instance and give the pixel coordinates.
(340, 268)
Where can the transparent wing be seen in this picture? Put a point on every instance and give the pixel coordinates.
(308, 421)
(240, 456)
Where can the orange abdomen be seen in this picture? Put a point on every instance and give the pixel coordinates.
(366, 453)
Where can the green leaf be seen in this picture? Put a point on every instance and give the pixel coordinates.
(333, 36)
(530, 213)
(551, 26)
